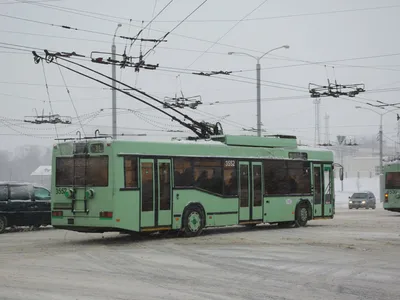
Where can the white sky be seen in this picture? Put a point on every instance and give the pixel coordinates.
(354, 36)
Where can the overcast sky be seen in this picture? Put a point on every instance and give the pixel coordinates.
(356, 37)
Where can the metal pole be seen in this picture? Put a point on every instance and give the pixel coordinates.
(258, 67)
(114, 94)
(114, 85)
(341, 162)
(381, 146)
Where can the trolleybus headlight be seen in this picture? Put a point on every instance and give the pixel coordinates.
(350, 201)
(363, 202)
(386, 197)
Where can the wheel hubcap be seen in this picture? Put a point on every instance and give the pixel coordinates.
(303, 214)
(194, 221)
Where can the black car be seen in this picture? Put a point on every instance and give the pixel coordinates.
(24, 204)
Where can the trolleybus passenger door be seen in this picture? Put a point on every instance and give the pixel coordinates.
(256, 191)
(163, 211)
(328, 195)
(318, 191)
(147, 193)
(244, 189)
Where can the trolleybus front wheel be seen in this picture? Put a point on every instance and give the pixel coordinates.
(193, 221)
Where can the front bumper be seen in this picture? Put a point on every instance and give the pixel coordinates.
(357, 205)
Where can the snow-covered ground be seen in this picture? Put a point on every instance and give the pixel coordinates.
(352, 185)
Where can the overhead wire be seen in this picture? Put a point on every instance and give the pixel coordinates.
(79, 12)
(72, 101)
(226, 33)
(118, 18)
(175, 27)
(48, 96)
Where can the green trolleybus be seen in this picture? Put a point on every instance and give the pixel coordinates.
(136, 186)
(391, 188)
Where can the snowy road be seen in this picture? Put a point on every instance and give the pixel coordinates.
(354, 256)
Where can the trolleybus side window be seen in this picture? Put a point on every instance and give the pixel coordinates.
(230, 178)
(183, 172)
(299, 177)
(131, 172)
(287, 177)
(208, 174)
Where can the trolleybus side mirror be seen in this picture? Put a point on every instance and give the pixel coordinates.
(341, 174)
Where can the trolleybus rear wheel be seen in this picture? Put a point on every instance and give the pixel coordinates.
(193, 221)
(3, 224)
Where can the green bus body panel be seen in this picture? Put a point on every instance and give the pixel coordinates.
(393, 203)
(219, 211)
(125, 204)
(281, 209)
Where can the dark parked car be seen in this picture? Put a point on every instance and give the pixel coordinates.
(24, 204)
(362, 200)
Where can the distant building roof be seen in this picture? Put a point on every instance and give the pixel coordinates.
(42, 171)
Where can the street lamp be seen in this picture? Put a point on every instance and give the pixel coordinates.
(380, 133)
(114, 85)
(258, 69)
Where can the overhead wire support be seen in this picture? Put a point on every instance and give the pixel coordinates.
(212, 73)
(48, 119)
(133, 39)
(202, 129)
(383, 105)
(335, 90)
(182, 102)
(127, 61)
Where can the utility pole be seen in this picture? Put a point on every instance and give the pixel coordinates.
(317, 135)
(114, 85)
(340, 139)
(258, 69)
(327, 139)
(381, 145)
(258, 73)
(398, 135)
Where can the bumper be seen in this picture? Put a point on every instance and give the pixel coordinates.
(358, 205)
